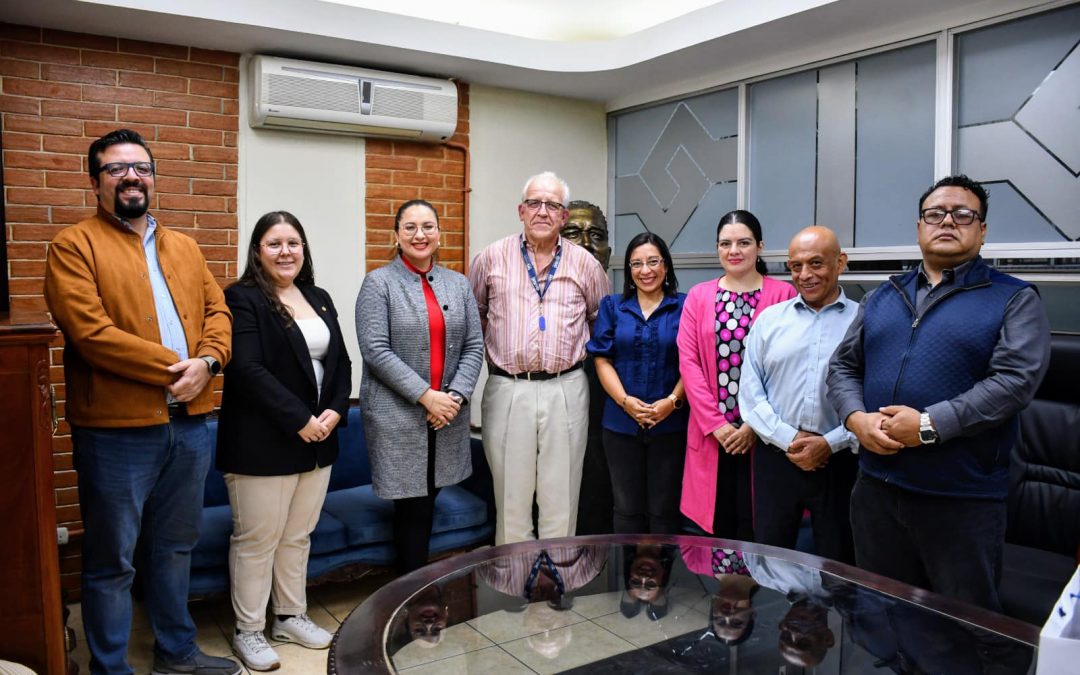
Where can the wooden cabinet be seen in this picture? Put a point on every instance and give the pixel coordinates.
(31, 623)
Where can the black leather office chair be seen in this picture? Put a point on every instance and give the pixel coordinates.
(1043, 538)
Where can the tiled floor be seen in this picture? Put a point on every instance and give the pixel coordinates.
(328, 605)
(542, 640)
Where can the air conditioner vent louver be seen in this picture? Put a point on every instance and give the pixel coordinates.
(307, 92)
(324, 98)
(393, 102)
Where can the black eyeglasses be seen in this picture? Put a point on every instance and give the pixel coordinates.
(120, 169)
(535, 204)
(652, 263)
(935, 216)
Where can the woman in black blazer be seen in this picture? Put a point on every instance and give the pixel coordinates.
(286, 392)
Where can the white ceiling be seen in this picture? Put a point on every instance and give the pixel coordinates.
(593, 20)
(647, 51)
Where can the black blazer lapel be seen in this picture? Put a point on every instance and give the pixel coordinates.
(299, 346)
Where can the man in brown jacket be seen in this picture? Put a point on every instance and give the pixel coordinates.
(145, 328)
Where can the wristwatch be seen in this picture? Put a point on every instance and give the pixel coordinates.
(676, 402)
(458, 398)
(927, 433)
(212, 364)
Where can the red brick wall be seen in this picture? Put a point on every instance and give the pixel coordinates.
(61, 90)
(58, 92)
(398, 171)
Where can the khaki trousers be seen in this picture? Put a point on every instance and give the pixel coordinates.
(534, 438)
(273, 517)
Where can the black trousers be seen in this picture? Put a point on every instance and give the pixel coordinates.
(595, 500)
(646, 481)
(949, 545)
(413, 518)
(782, 491)
(733, 516)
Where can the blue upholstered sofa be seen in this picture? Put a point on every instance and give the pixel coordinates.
(355, 525)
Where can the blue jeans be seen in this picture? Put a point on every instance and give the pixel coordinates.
(148, 478)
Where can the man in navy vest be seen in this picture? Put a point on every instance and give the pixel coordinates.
(930, 377)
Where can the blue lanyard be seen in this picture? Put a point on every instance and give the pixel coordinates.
(536, 282)
(540, 560)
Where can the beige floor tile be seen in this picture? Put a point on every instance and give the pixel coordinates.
(141, 650)
(642, 631)
(215, 622)
(503, 626)
(298, 660)
(591, 606)
(459, 639)
(340, 598)
(490, 661)
(568, 647)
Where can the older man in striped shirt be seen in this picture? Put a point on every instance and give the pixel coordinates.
(538, 295)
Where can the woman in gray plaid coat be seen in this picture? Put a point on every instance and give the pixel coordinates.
(420, 337)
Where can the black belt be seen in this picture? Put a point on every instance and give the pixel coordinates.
(179, 411)
(536, 376)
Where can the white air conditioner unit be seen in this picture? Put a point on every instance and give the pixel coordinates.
(323, 98)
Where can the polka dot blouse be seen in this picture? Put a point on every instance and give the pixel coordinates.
(734, 310)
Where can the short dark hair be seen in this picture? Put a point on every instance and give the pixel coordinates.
(255, 275)
(583, 205)
(750, 221)
(960, 181)
(671, 283)
(93, 155)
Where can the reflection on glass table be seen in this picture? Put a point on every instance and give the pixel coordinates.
(670, 605)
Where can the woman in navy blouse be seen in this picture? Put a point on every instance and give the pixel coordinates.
(637, 362)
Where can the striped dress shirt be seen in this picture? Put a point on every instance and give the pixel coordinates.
(576, 565)
(510, 308)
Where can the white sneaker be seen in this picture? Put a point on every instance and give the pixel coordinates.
(253, 649)
(301, 630)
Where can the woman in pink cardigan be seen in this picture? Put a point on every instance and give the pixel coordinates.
(716, 317)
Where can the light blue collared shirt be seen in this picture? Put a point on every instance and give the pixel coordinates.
(172, 330)
(782, 385)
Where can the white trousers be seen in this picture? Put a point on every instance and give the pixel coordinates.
(273, 517)
(534, 438)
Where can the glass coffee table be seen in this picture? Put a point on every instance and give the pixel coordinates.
(668, 604)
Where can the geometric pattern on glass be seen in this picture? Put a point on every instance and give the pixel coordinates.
(684, 162)
(1035, 151)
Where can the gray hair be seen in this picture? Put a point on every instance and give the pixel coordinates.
(547, 175)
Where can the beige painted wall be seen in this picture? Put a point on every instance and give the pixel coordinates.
(514, 135)
(320, 179)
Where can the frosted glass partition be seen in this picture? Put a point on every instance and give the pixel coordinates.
(1018, 124)
(895, 157)
(783, 155)
(676, 170)
(849, 145)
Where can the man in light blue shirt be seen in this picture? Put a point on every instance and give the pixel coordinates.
(805, 457)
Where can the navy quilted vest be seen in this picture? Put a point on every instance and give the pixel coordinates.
(939, 356)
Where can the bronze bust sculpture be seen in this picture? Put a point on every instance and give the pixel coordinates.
(586, 226)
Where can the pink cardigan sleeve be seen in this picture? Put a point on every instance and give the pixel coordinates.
(695, 365)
